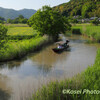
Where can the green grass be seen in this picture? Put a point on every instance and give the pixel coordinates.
(54, 90)
(16, 25)
(90, 79)
(15, 50)
(19, 41)
(20, 31)
(89, 30)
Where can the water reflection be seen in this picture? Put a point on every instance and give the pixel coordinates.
(5, 91)
(4, 95)
(12, 64)
(47, 58)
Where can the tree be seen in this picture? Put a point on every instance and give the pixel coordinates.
(49, 22)
(3, 32)
(95, 21)
(21, 17)
(2, 20)
(9, 20)
(86, 8)
(24, 21)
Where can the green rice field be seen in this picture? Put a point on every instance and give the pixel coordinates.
(89, 30)
(21, 31)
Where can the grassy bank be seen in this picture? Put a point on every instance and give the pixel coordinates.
(90, 80)
(19, 41)
(89, 30)
(16, 50)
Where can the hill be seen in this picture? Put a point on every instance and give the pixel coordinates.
(84, 8)
(12, 14)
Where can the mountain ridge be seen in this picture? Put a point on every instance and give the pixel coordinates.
(12, 13)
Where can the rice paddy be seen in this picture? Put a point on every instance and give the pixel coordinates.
(89, 30)
(20, 31)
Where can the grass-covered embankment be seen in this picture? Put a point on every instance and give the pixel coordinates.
(19, 41)
(89, 30)
(90, 80)
(16, 50)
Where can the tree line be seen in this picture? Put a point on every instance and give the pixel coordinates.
(19, 19)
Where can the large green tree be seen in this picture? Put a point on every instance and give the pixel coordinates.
(49, 22)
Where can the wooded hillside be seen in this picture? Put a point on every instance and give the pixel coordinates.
(84, 8)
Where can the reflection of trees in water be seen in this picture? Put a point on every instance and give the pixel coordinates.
(46, 59)
(2, 65)
(12, 64)
(4, 95)
(4, 90)
(44, 68)
(77, 41)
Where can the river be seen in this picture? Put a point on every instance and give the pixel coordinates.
(20, 78)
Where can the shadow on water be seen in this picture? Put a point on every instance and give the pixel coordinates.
(4, 95)
(4, 90)
(18, 62)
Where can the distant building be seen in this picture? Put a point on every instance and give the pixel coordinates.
(92, 18)
(77, 16)
(85, 20)
(79, 19)
(99, 19)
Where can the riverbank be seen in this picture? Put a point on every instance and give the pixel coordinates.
(20, 41)
(92, 31)
(16, 50)
(88, 80)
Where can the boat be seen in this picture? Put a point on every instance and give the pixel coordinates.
(59, 50)
(61, 46)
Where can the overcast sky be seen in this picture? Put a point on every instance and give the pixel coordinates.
(30, 4)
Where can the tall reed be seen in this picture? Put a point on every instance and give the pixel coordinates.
(15, 50)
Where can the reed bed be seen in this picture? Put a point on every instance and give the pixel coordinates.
(16, 50)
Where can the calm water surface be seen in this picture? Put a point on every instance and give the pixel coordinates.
(19, 79)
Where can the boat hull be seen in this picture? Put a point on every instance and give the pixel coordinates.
(59, 50)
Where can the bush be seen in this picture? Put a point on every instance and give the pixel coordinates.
(3, 32)
(95, 21)
(76, 31)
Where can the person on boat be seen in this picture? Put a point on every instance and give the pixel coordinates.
(66, 43)
(59, 46)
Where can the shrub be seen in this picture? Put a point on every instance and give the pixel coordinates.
(3, 32)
